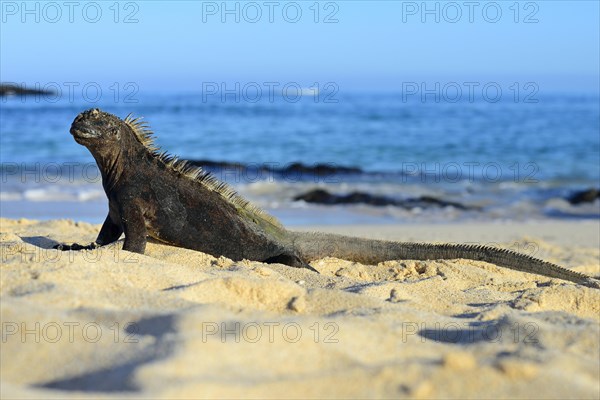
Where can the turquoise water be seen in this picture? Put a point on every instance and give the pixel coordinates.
(559, 134)
(500, 155)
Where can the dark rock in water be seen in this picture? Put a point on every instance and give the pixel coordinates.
(217, 164)
(318, 169)
(584, 196)
(293, 169)
(320, 196)
(9, 89)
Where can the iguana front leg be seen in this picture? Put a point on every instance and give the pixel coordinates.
(109, 233)
(134, 226)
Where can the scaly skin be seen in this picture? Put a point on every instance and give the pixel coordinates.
(313, 246)
(152, 194)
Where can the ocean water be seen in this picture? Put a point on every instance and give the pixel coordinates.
(506, 160)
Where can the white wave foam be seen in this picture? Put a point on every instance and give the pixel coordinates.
(10, 196)
(55, 194)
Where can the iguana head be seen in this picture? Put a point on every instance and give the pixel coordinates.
(107, 136)
(93, 128)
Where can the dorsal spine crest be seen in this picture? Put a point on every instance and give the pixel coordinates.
(145, 136)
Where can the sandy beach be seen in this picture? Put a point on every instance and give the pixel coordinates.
(437, 122)
(175, 323)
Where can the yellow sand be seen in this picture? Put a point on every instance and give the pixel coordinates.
(175, 323)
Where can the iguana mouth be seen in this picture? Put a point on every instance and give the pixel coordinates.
(83, 132)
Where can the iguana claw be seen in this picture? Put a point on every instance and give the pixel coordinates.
(75, 246)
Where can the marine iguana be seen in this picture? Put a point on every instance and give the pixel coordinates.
(151, 193)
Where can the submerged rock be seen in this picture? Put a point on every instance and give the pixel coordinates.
(294, 169)
(321, 196)
(584, 196)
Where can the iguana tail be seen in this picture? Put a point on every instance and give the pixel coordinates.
(313, 246)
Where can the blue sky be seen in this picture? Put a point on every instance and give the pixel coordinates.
(177, 45)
